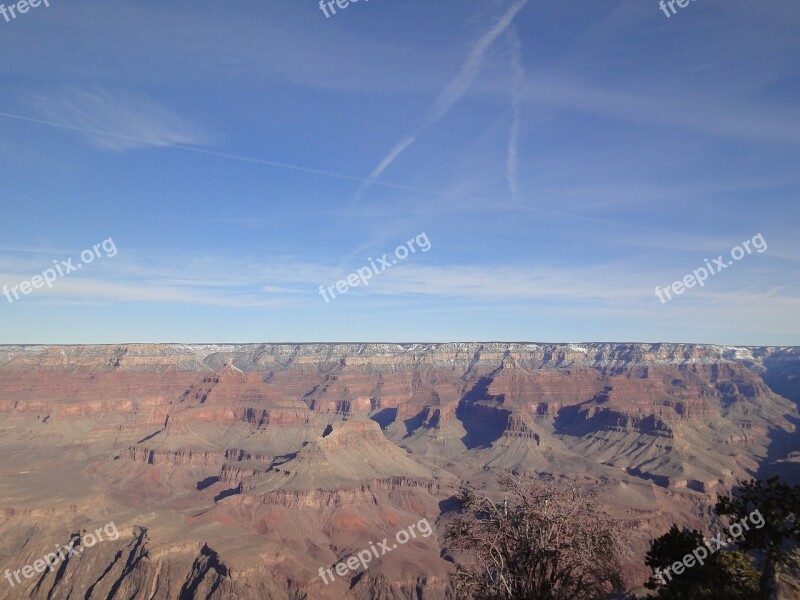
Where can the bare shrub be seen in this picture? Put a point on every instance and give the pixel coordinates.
(542, 542)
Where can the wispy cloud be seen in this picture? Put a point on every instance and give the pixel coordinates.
(448, 97)
(292, 281)
(120, 141)
(116, 122)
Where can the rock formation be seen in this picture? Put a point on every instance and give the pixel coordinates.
(240, 470)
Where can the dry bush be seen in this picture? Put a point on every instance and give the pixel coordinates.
(542, 542)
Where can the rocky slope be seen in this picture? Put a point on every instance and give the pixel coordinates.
(240, 470)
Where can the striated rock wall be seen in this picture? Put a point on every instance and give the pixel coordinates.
(312, 450)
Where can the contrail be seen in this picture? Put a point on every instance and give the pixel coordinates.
(292, 167)
(517, 83)
(448, 97)
(258, 161)
(270, 163)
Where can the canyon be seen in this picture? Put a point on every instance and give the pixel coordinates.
(238, 471)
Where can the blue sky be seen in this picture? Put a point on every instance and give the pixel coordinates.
(563, 160)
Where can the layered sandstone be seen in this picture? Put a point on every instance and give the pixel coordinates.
(239, 470)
